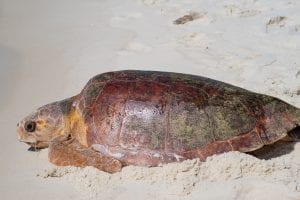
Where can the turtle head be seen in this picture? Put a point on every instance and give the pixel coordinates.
(41, 126)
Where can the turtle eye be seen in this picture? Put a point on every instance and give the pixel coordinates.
(30, 126)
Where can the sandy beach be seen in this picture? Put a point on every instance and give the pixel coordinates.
(50, 49)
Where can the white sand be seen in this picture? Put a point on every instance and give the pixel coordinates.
(228, 176)
(49, 49)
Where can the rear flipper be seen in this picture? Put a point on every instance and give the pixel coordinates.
(65, 151)
(294, 135)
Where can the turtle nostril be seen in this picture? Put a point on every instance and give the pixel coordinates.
(30, 126)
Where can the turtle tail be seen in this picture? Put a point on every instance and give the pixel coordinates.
(295, 132)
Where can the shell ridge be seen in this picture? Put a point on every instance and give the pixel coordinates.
(210, 124)
(96, 99)
(167, 133)
(123, 116)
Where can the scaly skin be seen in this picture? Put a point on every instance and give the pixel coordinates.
(67, 151)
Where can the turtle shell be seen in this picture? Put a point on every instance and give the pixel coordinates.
(148, 117)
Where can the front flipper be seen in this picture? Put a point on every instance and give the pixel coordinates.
(64, 152)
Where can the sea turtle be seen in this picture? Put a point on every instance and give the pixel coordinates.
(148, 118)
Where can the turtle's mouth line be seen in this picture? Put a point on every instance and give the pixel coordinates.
(33, 149)
(32, 143)
(37, 145)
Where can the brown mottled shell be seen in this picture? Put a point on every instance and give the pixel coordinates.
(148, 118)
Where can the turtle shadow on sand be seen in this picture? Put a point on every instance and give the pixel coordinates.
(275, 150)
(279, 148)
